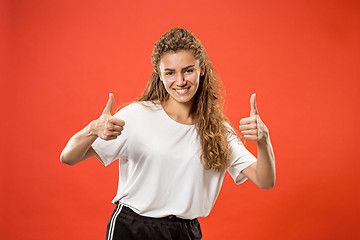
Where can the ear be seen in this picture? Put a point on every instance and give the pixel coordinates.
(202, 69)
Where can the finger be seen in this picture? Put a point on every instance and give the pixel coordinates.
(253, 110)
(117, 121)
(250, 132)
(113, 134)
(248, 120)
(109, 104)
(107, 138)
(114, 128)
(251, 137)
(252, 126)
(107, 133)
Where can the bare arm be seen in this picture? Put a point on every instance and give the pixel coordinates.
(79, 147)
(262, 173)
(106, 127)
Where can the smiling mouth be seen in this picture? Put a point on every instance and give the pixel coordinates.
(182, 90)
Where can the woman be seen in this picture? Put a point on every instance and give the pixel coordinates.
(175, 147)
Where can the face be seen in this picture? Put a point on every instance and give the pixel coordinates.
(180, 72)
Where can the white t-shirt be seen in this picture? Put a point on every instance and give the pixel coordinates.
(160, 172)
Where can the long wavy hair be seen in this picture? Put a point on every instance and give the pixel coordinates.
(211, 124)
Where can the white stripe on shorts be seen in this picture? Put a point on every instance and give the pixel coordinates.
(113, 220)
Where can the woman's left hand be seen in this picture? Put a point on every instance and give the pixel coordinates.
(252, 127)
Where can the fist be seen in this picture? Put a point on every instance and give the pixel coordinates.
(108, 127)
(252, 127)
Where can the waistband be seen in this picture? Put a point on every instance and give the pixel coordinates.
(171, 218)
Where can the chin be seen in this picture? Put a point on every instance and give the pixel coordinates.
(184, 99)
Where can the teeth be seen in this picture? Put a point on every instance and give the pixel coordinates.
(181, 90)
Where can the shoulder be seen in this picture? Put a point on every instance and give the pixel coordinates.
(150, 105)
(141, 107)
(232, 135)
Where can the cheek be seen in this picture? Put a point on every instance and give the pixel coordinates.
(168, 82)
(193, 78)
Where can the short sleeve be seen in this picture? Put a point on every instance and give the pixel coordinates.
(109, 151)
(240, 159)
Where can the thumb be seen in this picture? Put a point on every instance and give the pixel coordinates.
(109, 104)
(253, 110)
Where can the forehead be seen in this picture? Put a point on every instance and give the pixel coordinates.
(178, 59)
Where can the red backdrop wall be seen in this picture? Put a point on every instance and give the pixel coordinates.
(302, 58)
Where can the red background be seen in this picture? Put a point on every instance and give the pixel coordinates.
(61, 59)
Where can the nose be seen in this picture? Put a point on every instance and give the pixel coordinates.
(180, 80)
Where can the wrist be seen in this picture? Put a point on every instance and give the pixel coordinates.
(265, 140)
(91, 128)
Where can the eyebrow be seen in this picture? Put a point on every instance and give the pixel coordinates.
(171, 69)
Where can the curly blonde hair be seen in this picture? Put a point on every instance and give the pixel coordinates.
(211, 123)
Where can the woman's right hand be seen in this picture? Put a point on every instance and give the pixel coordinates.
(107, 127)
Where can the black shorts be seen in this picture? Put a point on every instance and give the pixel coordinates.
(125, 224)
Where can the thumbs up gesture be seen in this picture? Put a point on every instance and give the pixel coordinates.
(106, 126)
(252, 127)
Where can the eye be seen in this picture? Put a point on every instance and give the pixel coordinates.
(189, 70)
(169, 73)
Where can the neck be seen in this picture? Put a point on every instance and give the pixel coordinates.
(180, 112)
